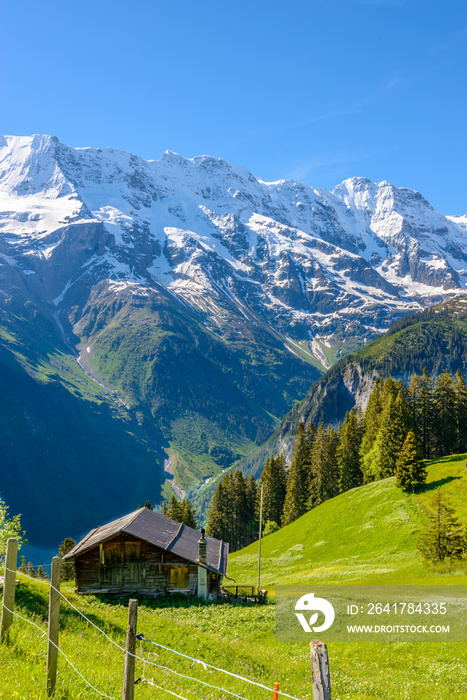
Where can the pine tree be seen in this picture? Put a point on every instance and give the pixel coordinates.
(413, 397)
(67, 571)
(309, 474)
(394, 426)
(229, 510)
(165, 509)
(31, 570)
(380, 462)
(410, 470)
(147, 504)
(281, 481)
(391, 387)
(232, 511)
(41, 572)
(444, 537)
(370, 430)
(460, 412)
(217, 525)
(273, 479)
(325, 466)
(23, 568)
(240, 513)
(252, 528)
(297, 481)
(425, 415)
(175, 509)
(348, 452)
(188, 514)
(420, 405)
(401, 420)
(444, 402)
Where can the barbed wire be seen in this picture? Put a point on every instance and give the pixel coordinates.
(150, 682)
(25, 619)
(216, 668)
(192, 678)
(46, 634)
(174, 651)
(140, 658)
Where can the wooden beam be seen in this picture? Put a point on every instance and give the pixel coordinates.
(54, 625)
(130, 648)
(320, 671)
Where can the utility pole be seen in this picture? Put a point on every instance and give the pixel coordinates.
(259, 542)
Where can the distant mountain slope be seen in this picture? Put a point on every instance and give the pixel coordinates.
(68, 462)
(435, 338)
(345, 540)
(201, 300)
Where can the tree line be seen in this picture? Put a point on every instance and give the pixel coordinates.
(402, 425)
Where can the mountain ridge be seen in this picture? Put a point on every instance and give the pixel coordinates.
(305, 247)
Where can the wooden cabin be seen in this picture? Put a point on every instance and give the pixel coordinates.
(145, 552)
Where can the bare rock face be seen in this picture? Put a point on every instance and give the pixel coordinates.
(359, 384)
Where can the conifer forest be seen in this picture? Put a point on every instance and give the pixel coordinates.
(403, 424)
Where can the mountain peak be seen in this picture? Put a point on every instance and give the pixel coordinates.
(205, 228)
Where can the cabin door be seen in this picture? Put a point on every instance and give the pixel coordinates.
(133, 565)
(111, 565)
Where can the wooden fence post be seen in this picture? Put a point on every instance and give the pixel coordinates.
(54, 625)
(320, 671)
(130, 648)
(8, 598)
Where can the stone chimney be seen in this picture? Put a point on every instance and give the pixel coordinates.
(202, 546)
(202, 573)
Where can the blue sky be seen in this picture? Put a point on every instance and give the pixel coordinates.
(313, 90)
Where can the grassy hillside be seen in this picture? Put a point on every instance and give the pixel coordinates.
(236, 638)
(366, 535)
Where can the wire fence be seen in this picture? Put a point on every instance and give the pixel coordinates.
(45, 634)
(142, 638)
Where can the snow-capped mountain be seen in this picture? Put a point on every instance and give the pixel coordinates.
(317, 268)
(163, 316)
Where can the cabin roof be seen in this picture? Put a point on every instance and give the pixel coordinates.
(155, 528)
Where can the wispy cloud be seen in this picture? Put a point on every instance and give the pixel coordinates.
(448, 42)
(331, 168)
(356, 105)
(352, 107)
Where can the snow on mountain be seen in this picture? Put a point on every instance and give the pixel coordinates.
(311, 265)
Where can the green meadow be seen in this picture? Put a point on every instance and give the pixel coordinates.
(364, 536)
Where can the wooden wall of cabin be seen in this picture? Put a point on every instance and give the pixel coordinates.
(125, 565)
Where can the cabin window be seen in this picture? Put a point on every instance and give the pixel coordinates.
(112, 553)
(133, 551)
(178, 576)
